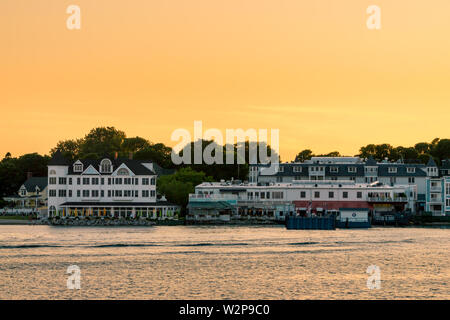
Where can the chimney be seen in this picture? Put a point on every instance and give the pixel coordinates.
(29, 175)
(130, 155)
(116, 155)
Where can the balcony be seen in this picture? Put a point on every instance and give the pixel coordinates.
(435, 188)
(387, 199)
(212, 197)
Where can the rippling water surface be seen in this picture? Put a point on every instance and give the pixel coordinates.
(184, 262)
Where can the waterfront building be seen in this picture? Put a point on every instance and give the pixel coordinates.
(105, 187)
(30, 198)
(438, 191)
(351, 169)
(274, 201)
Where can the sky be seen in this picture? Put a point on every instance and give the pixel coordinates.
(311, 69)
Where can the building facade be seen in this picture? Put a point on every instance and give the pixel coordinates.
(275, 201)
(352, 169)
(31, 197)
(106, 187)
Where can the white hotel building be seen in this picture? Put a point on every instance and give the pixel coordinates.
(105, 187)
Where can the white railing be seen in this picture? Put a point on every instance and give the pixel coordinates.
(217, 197)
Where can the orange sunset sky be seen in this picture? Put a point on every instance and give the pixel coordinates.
(309, 68)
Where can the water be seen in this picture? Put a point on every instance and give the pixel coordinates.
(226, 262)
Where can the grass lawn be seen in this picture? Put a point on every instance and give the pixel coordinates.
(14, 218)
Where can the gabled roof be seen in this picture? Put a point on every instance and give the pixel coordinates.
(33, 182)
(445, 164)
(58, 160)
(160, 171)
(134, 165)
(371, 161)
(431, 162)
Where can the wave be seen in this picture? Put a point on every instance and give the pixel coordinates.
(119, 245)
(302, 243)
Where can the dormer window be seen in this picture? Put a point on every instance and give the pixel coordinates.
(411, 170)
(106, 166)
(122, 172)
(392, 170)
(78, 167)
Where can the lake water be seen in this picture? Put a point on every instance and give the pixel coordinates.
(223, 262)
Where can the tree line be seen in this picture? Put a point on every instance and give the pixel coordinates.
(107, 141)
(438, 149)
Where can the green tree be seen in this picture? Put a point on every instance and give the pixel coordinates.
(70, 149)
(133, 145)
(176, 187)
(102, 141)
(159, 153)
(306, 154)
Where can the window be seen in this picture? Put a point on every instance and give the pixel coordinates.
(447, 202)
(152, 193)
(145, 193)
(78, 167)
(109, 193)
(52, 211)
(127, 181)
(316, 194)
(102, 181)
(411, 180)
(61, 193)
(152, 181)
(331, 194)
(70, 193)
(302, 194)
(78, 193)
(392, 170)
(411, 170)
(106, 166)
(359, 194)
(102, 193)
(345, 195)
(110, 181)
(62, 181)
(334, 169)
(279, 179)
(52, 180)
(118, 181)
(268, 195)
(70, 181)
(52, 193)
(95, 193)
(52, 172)
(447, 188)
(78, 181)
(352, 169)
(118, 193)
(145, 181)
(85, 193)
(85, 181)
(127, 193)
(136, 181)
(136, 194)
(95, 181)
(122, 172)
(281, 169)
(297, 169)
(277, 195)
